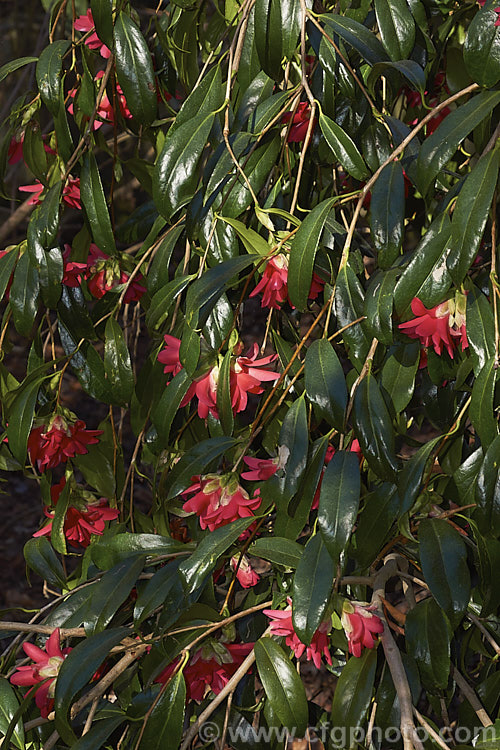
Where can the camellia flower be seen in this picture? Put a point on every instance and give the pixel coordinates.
(264, 468)
(300, 122)
(15, 152)
(86, 23)
(211, 666)
(274, 283)
(74, 273)
(245, 377)
(105, 111)
(281, 624)
(70, 193)
(45, 668)
(219, 499)
(104, 273)
(245, 574)
(442, 324)
(80, 523)
(360, 625)
(52, 444)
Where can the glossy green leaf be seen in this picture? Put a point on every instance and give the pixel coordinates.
(378, 305)
(57, 536)
(95, 206)
(443, 556)
(293, 436)
(480, 329)
(358, 36)
(166, 409)
(99, 732)
(110, 593)
(325, 382)
(102, 13)
(14, 65)
(41, 558)
(164, 726)
(73, 313)
(48, 74)
(252, 241)
(411, 70)
(224, 400)
(77, 670)
(282, 685)
(278, 24)
(399, 372)
(380, 508)
(258, 168)
(482, 48)
(134, 69)
(34, 153)
(303, 253)
(20, 411)
(387, 211)
(481, 412)
(97, 467)
(428, 641)
(373, 428)
(349, 306)
(339, 502)
(312, 586)
(158, 273)
(7, 265)
(278, 550)
(353, 694)
(440, 146)
(24, 295)
(110, 551)
(344, 149)
(487, 494)
(155, 592)
(207, 97)
(117, 364)
(8, 707)
(413, 474)
(196, 461)
(397, 27)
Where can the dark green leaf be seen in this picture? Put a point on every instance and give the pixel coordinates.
(134, 69)
(312, 585)
(24, 295)
(164, 413)
(480, 329)
(277, 550)
(196, 461)
(155, 592)
(207, 97)
(109, 552)
(14, 65)
(398, 374)
(349, 306)
(387, 211)
(397, 27)
(95, 206)
(164, 298)
(7, 264)
(412, 475)
(482, 48)
(99, 732)
(325, 382)
(282, 685)
(353, 694)
(165, 724)
(343, 147)
(110, 593)
(378, 305)
(102, 13)
(224, 401)
(380, 508)
(117, 364)
(428, 641)
(339, 502)
(303, 253)
(373, 428)
(481, 411)
(8, 707)
(358, 36)
(41, 558)
(48, 74)
(487, 496)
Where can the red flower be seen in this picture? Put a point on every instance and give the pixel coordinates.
(360, 625)
(48, 447)
(37, 189)
(442, 324)
(85, 24)
(219, 499)
(211, 666)
(104, 273)
(46, 665)
(74, 273)
(105, 111)
(261, 468)
(300, 122)
(169, 356)
(70, 193)
(246, 378)
(15, 152)
(274, 283)
(80, 523)
(245, 574)
(282, 625)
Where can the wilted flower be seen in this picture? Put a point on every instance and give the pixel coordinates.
(80, 522)
(245, 574)
(281, 624)
(86, 23)
(45, 668)
(300, 122)
(211, 666)
(442, 324)
(52, 444)
(219, 499)
(274, 283)
(104, 273)
(360, 625)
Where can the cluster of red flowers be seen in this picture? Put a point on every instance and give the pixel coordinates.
(360, 625)
(245, 378)
(86, 24)
(52, 444)
(70, 193)
(281, 624)
(210, 667)
(219, 499)
(101, 273)
(80, 523)
(441, 325)
(274, 283)
(300, 122)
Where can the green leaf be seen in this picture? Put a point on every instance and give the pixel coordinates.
(349, 306)
(387, 211)
(425, 275)
(195, 461)
(378, 305)
(207, 97)
(294, 436)
(134, 69)
(117, 364)
(440, 146)
(312, 585)
(8, 707)
(195, 570)
(358, 36)
(398, 374)
(373, 428)
(252, 241)
(20, 409)
(380, 508)
(444, 564)
(470, 214)
(428, 641)
(107, 552)
(164, 298)
(7, 264)
(339, 502)
(97, 468)
(158, 273)
(487, 495)
(48, 74)
(482, 48)
(102, 13)
(167, 407)
(156, 591)
(480, 329)
(325, 382)
(34, 153)
(175, 175)
(24, 295)
(77, 670)
(41, 558)
(282, 685)
(111, 591)
(14, 65)
(344, 149)
(95, 206)
(258, 167)
(278, 24)
(411, 70)
(412, 475)
(99, 732)
(165, 724)
(278, 550)
(72, 311)
(481, 411)
(224, 405)
(57, 536)
(353, 694)
(397, 27)
(303, 252)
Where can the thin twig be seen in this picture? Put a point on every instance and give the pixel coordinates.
(471, 697)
